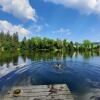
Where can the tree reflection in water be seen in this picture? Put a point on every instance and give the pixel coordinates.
(12, 57)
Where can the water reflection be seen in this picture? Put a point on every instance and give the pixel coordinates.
(8, 57)
(12, 57)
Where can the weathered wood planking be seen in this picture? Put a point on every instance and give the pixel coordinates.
(41, 92)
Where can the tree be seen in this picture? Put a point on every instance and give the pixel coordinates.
(29, 44)
(87, 44)
(7, 41)
(71, 46)
(92, 46)
(98, 47)
(58, 44)
(23, 44)
(15, 41)
(1, 40)
(76, 46)
(65, 43)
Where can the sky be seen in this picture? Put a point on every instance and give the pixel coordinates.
(74, 20)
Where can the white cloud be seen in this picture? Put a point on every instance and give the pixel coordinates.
(36, 28)
(83, 6)
(63, 31)
(19, 8)
(6, 26)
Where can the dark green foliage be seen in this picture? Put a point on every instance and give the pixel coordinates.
(15, 41)
(71, 46)
(8, 42)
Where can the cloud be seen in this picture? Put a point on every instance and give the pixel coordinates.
(35, 28)
(19, 8)
(83, 6)
(6, 26)
(63, 31)
(38, 28)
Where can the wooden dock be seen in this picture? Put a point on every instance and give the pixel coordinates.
(40, 92)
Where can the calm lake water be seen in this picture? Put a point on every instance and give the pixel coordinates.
(80, 71)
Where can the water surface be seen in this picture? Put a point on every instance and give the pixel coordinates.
(80, 71)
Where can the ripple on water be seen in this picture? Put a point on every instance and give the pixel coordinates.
(74, 73)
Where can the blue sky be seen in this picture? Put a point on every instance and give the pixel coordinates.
(74, 20)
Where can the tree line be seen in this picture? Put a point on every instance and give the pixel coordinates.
(11, 42)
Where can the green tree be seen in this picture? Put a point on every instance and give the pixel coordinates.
(71, 46)
(15, 41)
(65, 43)
(87, 44)
(58, 44)
(76, 46)
(23, 44)
(1, 40)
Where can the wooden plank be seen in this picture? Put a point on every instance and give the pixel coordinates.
(41, 87)
(41, 92)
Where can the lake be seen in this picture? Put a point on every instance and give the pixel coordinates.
(80, 71)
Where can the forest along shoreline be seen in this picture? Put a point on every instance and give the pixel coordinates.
(12, 43)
